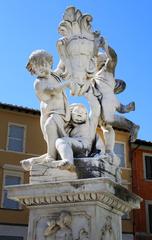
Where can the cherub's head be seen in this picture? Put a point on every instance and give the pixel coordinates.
(39, 63)
(78, 113)
(101, 59)
(83, 234)
(64, 219)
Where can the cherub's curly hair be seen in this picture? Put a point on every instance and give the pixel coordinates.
(66, 218)
(38, 57)
(75, 105)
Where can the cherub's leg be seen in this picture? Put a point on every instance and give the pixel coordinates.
(28, 163)
(51, 133)
(67, 147)
(109, 138)
(64, 148)
(108, 110)
(42, 125)
(126, 108)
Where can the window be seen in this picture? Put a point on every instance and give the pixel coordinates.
(16, 135)
(13, 232)
(125, 216)
(126, 236)
(11, 178)
(10, 238)
(148, 167)
(150, 217)
(119, 150)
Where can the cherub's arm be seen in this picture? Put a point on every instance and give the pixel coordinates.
(113, 62)
(95, 109)
(111, 55)
(51, 228)
(61, 71)
(103, 68)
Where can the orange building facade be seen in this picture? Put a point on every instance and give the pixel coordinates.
(142, 186)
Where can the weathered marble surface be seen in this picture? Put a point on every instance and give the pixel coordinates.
(79, 209)
(84, 168)
(78, 49)
(44, 173)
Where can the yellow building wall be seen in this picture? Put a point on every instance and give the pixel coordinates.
(34, 140)
(34, 145)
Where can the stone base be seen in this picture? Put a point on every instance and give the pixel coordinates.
(44, 173)
(86, 209)
(85, 168)
(97, 167)
(87, 219)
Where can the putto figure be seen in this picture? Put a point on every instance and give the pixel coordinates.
(55, 113)
(59, 229)
(82, 131)
(105, 88)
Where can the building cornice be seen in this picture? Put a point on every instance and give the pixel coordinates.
(17, 108)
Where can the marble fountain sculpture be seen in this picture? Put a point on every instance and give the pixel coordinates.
(75, 189)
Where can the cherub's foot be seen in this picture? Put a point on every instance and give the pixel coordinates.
(26, 164)
(48, 159)
(126, 108)
(131, 107)
(63, 165)
(68, 166)
(113, 158)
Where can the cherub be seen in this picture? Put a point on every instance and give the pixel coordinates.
(82, 131)
(107, 231)
(54, 107)
(60, 228)
(104, 88)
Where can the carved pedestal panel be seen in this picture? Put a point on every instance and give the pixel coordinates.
(75, 210)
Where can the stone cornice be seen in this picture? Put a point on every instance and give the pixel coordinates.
(101, 190)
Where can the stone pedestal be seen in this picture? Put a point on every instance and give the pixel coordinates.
(78, 209)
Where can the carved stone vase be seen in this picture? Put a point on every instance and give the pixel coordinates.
(78, 48)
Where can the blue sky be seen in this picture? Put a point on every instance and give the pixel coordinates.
(27, 25)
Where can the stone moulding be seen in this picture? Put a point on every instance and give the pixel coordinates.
(101, 190)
